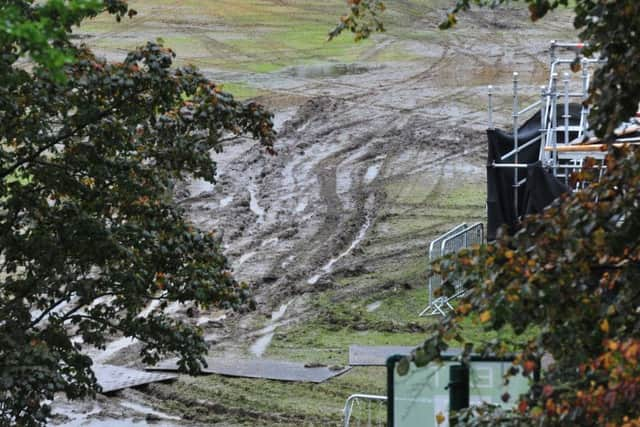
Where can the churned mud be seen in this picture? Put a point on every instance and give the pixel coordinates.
(377, 154)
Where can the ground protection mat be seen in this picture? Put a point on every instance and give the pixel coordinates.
(261, 368)
(377, 355)
(365, 355)
(113, 378)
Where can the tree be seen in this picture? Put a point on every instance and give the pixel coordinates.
(89, 233)
(570, 272)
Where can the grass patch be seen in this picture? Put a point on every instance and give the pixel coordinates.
(396, 54)
(263, 402)
(264, 67)
(342, 318)
(241, 91)
(245, 35)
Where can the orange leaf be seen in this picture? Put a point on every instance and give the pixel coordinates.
(523, 406)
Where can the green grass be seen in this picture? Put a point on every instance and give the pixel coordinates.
(241, 91)
(243, 35)
(338, 317)
(263, 402)
(395, 54)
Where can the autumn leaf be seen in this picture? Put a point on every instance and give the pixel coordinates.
(523, 406)
(529, 366)
(547, 390)
(485, 316)
(464, 308)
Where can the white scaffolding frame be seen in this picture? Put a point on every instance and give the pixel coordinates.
(553, 154)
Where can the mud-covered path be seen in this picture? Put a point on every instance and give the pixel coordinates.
(375, 158)
(348, 134)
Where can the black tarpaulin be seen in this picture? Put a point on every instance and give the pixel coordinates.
(540, 188)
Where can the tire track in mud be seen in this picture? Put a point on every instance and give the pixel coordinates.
(311, 214)
(326, 171)
(339, 224)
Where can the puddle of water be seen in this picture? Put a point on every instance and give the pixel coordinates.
(143, 409)
(260, 345)
(374, 306)
(76, 418)
(281, 117)
(126, 422)
(314, 279)
(226, 201)
(269, 241)
(301, 206)
(372, 173)
(199, 186)
(326, 70)
(328, 266)
(254, 206)
(277, 315)
(287, 261)
(244, 258)
(344, 181)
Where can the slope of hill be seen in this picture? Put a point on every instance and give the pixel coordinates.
(381, 148)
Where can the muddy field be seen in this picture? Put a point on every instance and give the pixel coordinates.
(380, 148)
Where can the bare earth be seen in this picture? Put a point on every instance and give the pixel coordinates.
(375, 158)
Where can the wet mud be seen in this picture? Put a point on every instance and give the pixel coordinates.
(369, 153)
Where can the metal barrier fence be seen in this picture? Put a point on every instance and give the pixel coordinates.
(459, 237)
(435, 252)
(365, 410)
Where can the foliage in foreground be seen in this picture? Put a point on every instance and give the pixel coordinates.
(572, 271)
(91, 242)
(609, 28)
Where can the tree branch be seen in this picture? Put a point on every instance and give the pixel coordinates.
(4, 173)
(48, 310)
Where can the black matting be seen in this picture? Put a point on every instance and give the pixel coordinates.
(260, 368)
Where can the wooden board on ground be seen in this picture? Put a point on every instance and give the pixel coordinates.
(261, 368)
(113, 378)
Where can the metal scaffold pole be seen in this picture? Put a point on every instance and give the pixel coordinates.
(515, 140)
(490, 93)
(554, 119)
(543, 125)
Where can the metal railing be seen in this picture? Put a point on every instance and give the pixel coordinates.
(460, 237)
(435, 252)
(374, 408)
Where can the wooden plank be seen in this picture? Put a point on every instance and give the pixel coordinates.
(586, 148)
